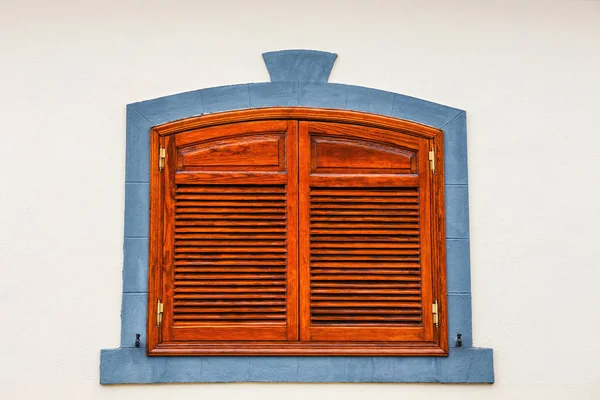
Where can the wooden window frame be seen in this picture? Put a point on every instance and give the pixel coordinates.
(437, 347)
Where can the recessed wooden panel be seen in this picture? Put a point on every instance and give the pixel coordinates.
(259, 152)
(350, 156)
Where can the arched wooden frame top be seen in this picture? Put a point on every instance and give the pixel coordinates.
(301, 113)
(438, 346)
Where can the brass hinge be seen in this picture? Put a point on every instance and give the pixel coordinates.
(159, 313)
(432, 161)
(161, 158)
(436, 314)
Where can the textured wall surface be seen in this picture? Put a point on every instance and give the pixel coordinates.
(527, 75)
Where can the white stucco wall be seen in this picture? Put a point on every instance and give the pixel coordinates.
(527, 73)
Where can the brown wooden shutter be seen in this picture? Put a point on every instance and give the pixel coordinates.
(365, 235)
(230, 225)
(291, 231)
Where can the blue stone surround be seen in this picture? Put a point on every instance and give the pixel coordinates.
(299, 78)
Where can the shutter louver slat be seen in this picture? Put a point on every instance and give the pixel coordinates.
(227, 253)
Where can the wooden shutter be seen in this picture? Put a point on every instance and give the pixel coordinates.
(365, 235)
(229, 247)
(291, 231)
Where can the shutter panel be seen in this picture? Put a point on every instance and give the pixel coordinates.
(230, 248)
(365, 235)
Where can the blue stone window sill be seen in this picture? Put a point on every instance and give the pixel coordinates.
(131, 365)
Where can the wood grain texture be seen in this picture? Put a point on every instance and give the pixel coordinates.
(331, 154)
(291, 231)
(375, 264)
(258, 151)
(227, 248)
(274, 348)
(155, 284)
(267, 115)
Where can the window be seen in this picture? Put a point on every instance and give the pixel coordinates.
(296, 231)
(299, 80)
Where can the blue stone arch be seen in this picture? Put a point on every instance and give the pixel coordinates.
(298, 78)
